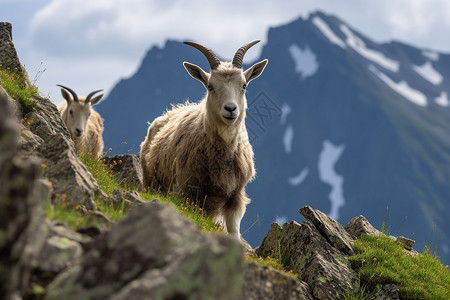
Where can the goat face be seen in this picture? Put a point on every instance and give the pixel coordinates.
(77, 116)
(226, 84)
(78, 111)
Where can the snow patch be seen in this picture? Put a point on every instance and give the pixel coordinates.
(375, 56)
(429, 73)
(328, 33)
(328, 158)
(434, 56)
(442, 100)
(305, 61)
(401, 88)
(287, 139)
(297, 180)
(285, 110)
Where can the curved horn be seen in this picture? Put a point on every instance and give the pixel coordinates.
(239, 56)
(74, 95)
(88, 98)
(212, 58)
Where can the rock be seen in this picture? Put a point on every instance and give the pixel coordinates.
(45, 120)
(330, 229)
(359, 226)
(72, 183)
(405, 242)
(57, 253)
(8, 54)
(154, 253)
(326, 270)
(271, 241)
(127, 169)
(262, 282)
(57, 229)
(126, 199)
(386, 291)
(22, 228)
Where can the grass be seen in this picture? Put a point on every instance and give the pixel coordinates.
(274, 263)
(15, 85)
(109, 184)
(383, 261)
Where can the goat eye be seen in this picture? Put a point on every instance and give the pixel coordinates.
(71, 112)
(210, 88)
(244, 86)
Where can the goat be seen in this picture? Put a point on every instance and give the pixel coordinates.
(84, 124)
(202, 149)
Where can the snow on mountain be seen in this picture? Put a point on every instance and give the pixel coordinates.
(375, 56)
(287, 139)
(328, 158)
(433, 55)
(285, 110)
(305, 61)
(297, 180)
(429, 73)
(442, 100)
(327, 32)
(402, 88)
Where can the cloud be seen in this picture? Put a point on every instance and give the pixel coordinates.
(109, 37)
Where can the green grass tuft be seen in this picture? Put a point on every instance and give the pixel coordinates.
(383, 261)
(16, 87)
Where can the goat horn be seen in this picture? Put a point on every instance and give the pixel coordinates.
(239, 56)
(74, 95)
(212, 58)
(88, 98)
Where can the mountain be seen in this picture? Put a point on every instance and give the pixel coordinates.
(337, 121)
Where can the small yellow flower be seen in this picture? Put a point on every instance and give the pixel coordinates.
(44, 166)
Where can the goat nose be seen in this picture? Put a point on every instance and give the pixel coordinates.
(230, 107)
(78, 132)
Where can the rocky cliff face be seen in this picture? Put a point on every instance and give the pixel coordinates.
(154, 253)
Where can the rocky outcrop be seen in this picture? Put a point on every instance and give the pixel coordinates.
(9, 60)
(154, 254)
(22, 227)
(127, 169)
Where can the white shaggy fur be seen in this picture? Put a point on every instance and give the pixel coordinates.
(84, 124)
(201, 149)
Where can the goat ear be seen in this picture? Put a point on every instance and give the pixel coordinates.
(197, 73)
(66, 95)
(96, 99)
(255, 70)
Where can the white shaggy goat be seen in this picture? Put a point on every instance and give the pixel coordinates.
(202, 149)
(84, 124)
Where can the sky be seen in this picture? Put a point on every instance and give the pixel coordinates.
(89, 45)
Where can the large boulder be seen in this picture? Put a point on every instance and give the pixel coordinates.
(155, 253)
